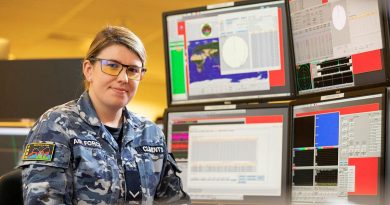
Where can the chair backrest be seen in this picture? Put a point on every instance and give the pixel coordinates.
(11, 191)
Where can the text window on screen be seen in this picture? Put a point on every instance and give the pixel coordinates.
(230, 161)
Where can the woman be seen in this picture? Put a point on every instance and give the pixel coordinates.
(93, 150)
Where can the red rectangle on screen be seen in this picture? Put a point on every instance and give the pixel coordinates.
(366, 175)
(324, 1)
(181, 28)
(263, 119)
(276, 77)
(367, 62)
(179, 146)
(344, 110)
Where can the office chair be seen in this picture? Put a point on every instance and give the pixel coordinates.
(11, 188)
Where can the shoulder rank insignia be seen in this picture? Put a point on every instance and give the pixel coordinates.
(39, 151)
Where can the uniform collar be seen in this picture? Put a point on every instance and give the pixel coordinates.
(132, 123)
(133, 126)
(89, 115)
(87, 111)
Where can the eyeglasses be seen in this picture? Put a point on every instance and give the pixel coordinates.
(114, 68)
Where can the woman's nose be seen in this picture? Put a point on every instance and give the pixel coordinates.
(123, 75)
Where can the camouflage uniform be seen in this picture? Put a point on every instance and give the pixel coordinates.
(87, 166)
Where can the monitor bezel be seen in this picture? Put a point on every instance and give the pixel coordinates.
(285, 196)
(386, 177)
(223, 100)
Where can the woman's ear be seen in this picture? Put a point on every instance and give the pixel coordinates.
(88, 70)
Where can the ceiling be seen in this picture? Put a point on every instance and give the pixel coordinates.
(65, 28)
(41, 29)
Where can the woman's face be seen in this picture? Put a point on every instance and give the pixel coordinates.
(113, 92)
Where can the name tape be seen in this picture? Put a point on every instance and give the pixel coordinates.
(151, 149)
(86, 143)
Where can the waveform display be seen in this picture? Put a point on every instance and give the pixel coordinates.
(327, 157)
(303, 177)
(304, 158)
(326, 177)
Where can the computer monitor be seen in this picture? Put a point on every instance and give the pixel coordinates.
(228, 52)
(11, 146)
(338, 44)
(30, 87)
(231, 156)
(338, 150)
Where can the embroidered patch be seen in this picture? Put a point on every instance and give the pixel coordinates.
(39, 151)
(150, 149)
(86, 143)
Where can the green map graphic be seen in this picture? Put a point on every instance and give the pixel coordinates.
(201, 52)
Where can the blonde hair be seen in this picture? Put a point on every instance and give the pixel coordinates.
(112, 35)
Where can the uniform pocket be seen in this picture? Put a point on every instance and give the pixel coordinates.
(97, 171)
(151, 155)
(158, 160)
(103, 165)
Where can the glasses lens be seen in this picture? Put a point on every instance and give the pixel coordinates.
(135, 73)
(111, 67)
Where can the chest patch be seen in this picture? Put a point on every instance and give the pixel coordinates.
(86, 143)
(39, 151)
(150, 149)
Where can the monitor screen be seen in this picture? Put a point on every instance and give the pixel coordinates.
(337, 152)
(235, 51)
(11, 147)
(226, 155)
(30, 87)
(337, 44)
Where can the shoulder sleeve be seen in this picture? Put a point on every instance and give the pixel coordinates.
(160, 132)
(45, 162)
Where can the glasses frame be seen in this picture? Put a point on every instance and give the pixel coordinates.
(142, 69)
